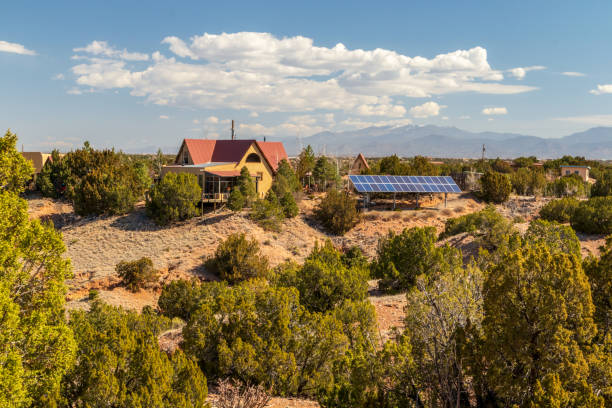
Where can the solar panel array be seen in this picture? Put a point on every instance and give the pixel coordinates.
(404, 184)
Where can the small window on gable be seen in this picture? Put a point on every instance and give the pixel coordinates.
(253, 158)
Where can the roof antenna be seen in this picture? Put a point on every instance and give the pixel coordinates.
(233, 133)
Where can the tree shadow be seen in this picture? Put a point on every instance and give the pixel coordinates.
(136, 221)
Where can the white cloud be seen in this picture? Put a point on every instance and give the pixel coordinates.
(212, 120)
(164, 117)
(394, 111)
(573, 74)
(253, 115)
(101, 48)
(263, 73)
(58, 77)
(593, 120)
(464, 117)
(602, 89)
(444, 118)
(195, 121)
(520, 72)
(15, 48)
(426, 110)
(495, 111)
(74, 91)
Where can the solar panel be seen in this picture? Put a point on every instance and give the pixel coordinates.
(404, 184)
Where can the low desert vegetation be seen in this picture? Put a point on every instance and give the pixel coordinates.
(337, 212)
(237, 259)
(488, 226)
(138, 274)
(96, 181)
(593, 216)
(495, 187)
(174, 198)
(560, 210)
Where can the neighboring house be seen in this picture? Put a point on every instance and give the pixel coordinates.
(38, 160)
(217, 163)
(582, 171)
(360, 164)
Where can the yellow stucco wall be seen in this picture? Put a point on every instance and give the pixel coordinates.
(262, 168)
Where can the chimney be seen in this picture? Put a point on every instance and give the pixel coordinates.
(233, 133)
(264, 138)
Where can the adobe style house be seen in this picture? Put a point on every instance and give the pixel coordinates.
(217, 163)
(359, 165)
(38, 160)
(582, 171)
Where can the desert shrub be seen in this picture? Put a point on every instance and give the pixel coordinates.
(286, 179)
(97, 181)
(599, 272)
(325, 280)
(105, 190)
(246, 185)
(495, 187)
(603, 185)
(120, 364)
(174, 198)
(15, 170)
(233, 394)
(288, 204)
(337, 211)
(487, 225)
(237, 259)
(567, 186)
(593, 216)
(557, 237)
(401, 258)
(137, 274)
(268, 213)
(181, 298)
(260, 334)
(560, 210)
(236, 200)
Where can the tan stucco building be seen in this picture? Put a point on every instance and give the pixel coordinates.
(582, 171)
(217, 164)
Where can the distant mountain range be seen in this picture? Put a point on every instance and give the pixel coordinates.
(437, 141)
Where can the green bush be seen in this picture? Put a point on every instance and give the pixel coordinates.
(181, 298)
(236, 200)
(337, 211)
(401, 258)
(268, 213)
(560, 210)
(557, 237)
(325, 280)
(567, 186)
(593, 216)
(15, 170)
(105, 190)
(260, 334)
(120, 364)
(237, 259)
(487, 225)
(246, 185)
(495, 187)
(137, 274)
(603, 185)
(289, 206)
(174, 198)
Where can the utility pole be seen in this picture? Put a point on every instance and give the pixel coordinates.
(483, 152)
(233, 132)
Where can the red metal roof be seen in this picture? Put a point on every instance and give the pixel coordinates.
(232, 151)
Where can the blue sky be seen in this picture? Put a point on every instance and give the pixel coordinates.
(142, 75)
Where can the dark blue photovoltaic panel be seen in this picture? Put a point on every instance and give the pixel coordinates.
(404, 184)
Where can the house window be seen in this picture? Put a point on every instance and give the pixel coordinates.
(576, 172)
(185, 156)
(201, 180)
(253, 158)
(567, 172)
